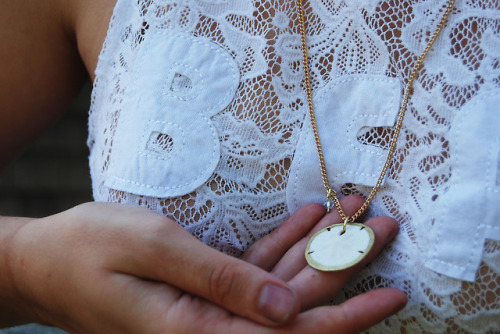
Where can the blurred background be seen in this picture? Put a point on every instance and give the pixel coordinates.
(53, 174)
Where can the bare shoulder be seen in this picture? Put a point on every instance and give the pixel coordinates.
(48, 47)
(91, 25)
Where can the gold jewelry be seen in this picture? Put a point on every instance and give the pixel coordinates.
(331, 194)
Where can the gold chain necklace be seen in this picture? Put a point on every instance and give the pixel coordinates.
(321, 247)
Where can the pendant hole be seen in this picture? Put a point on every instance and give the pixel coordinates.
(160, 143)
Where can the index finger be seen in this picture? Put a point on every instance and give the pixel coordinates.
(268, 251)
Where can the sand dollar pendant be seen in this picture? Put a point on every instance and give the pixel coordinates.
(332, 248)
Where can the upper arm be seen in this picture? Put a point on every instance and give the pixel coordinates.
(40, 69)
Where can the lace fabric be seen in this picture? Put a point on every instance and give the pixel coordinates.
(261, 132)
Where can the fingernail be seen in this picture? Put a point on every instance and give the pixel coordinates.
(276, 303)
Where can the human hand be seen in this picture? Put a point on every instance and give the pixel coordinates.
(102, 268)
(282, 253)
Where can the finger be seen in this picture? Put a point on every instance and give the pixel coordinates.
(354, 316)
(317, 287)
(294, 260)
(367, 310)
(166, 252)
(269, 250)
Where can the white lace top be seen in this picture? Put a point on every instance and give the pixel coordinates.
(199, 113)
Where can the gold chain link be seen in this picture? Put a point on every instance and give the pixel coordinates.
(332, 194)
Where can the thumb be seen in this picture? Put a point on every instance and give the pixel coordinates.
(173, 255)
(246, 290)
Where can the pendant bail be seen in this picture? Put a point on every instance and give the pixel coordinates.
(347, 220)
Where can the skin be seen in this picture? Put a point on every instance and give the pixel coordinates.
(106, 268)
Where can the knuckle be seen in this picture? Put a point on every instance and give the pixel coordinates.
(154, 233)
(223, 283)
(156, 226)
(279, 243)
